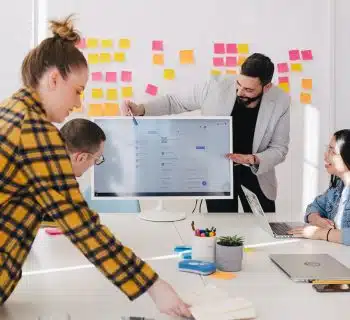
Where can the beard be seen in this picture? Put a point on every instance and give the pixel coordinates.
(247, 101)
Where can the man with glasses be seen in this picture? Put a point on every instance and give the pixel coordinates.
(260, 117)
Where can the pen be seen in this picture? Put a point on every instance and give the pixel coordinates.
(331, 282)
(133, 117)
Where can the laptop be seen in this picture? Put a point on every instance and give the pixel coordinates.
(276, 229)
(310, 267)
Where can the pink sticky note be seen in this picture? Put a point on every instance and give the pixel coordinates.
(307, 55)
(219, 48)
(126, 76)
(111, 77)
(157, 45)
(283, 67)
(283, 80)
(81, 44)
(231, 61)
(96, 76)
(152, 90)
(231, 48)
(294, 55)
(218, 62)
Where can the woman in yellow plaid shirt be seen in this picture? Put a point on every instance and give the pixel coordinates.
(36, 176)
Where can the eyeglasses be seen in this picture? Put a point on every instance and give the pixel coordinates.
(99, 160)
(330, 150)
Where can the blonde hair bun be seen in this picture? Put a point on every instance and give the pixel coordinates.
(64, 29)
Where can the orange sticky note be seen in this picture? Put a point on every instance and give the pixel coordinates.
(92, 43)
(95, 110)
(107, 43)
(223, 275)
(124, 43)
(186, 57)
(93, 58)
(296, 67)
(215, 72)
(284, 86)
(169, 74)
(231, 71)
(306, 84)
(111, 109)
(305, 98)
(158, 58)
(97, 93)
(243, 48)
(119, 57)
(127, 92)
(112, 94)
(241, 60)
(105, 57)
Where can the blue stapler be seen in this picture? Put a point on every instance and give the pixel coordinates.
(196, 266)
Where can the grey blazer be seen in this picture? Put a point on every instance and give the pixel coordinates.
(217, 97)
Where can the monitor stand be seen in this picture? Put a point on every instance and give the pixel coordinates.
(159, 214)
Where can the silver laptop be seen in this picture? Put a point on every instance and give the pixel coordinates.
(309, 267)
(276, 229)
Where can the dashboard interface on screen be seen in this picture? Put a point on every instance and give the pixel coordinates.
(164, 156)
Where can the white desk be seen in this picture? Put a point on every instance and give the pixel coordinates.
(86, 295)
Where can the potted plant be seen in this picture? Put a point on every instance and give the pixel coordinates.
(229, 253)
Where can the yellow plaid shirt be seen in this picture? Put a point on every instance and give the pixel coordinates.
(36, 178)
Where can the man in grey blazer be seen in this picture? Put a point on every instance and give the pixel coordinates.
(260, 115)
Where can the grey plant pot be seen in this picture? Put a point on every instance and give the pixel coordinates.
(229, 258)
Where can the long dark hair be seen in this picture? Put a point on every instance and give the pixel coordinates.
(342, 141)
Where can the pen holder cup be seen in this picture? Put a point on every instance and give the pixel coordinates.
(203, 248)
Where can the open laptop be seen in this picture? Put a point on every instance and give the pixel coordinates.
(276, 229)
(310, 267)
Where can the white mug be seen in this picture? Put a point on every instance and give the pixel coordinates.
(203, 248)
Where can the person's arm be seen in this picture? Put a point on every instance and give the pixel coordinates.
(47, 167)
(317, 208)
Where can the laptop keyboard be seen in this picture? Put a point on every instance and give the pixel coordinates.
(280, 228)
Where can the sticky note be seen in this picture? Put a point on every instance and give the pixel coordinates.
(218, 62)
(306, 55)
(243, 48)
(97, 93)
(107, 43)
(92, 43)
(124, 43)
(241, 60)
(152, 89)
(282, 67)
(119, 56)
(186, 57)
(231, 48)
(223, 275)
(157, 45)
(127, 92)
(96, 76)
(215, 72)
(158, 59)
(112, 94)
(284, 86)
(111, 77)
(249, 249)
(296, 67)
(306, 84)
(305, 98)
(169, 74)
(81, 44)
(231, 71)
(93, 58)
(283, 80)
(219, 48)
(111, 109)
(294, 55)
(95, 110)
(231, 61)
(126, 76)
(105, 57)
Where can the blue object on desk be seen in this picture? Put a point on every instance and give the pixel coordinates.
(182, 248)
(186, 255)
(196, 266)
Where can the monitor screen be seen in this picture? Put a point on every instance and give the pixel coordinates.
(164, 157)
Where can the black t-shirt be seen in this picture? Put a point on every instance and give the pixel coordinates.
(243, 126)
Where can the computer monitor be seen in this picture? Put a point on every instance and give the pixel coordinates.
(164, 157)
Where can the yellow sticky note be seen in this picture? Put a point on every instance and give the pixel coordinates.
(223, 275)
(305, 98)
(95, 110)
(119, 57)
(111, 109)
(127, 92)
(296, 67)
(92, 43)
(105, 57)
(93, 58)
(187, 57)
(112, 94)
(284, 86)
(241, 60)
(215, 72)
(243, 48)
(107, 43)
(231, 71)
(249, 249)
(124, 43)
(97, 93)
(306, 84)
(169, 74)
(158, 58)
